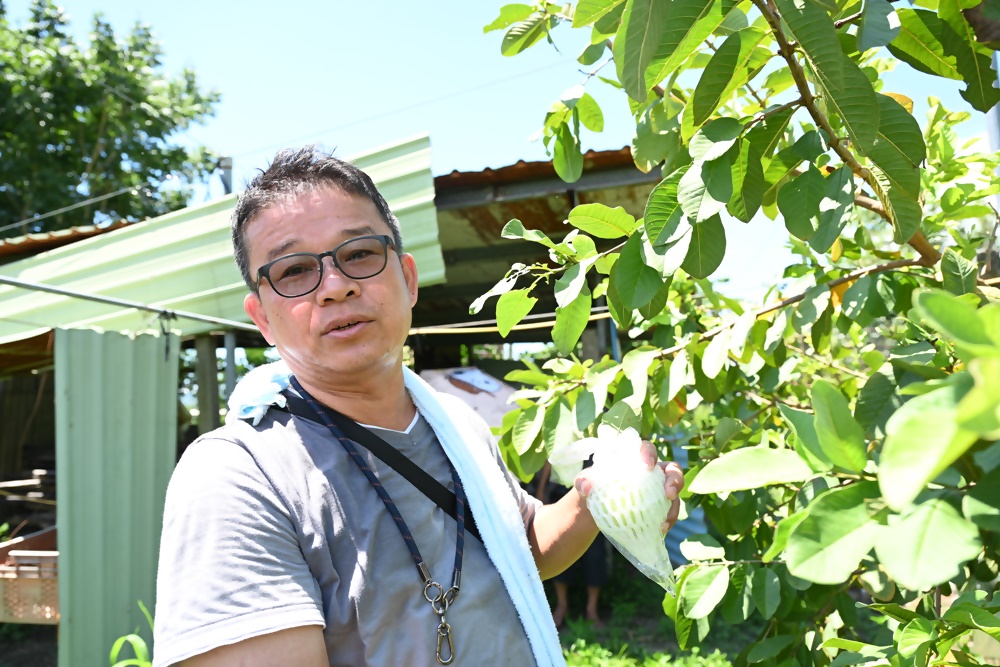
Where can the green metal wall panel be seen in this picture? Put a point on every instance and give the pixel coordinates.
(116, 442)
(184, 260)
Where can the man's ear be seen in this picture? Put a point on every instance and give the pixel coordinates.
(409, 266)
(255, 310)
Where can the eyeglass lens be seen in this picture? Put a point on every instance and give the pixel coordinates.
(296, 275)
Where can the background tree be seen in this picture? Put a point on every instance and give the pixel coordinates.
(83, 121)
(843, 434)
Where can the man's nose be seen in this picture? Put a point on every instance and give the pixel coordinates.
(335, 285)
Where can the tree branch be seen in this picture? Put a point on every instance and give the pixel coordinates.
(829, 362)
(854, 275)
(929, 255)
(837, 25)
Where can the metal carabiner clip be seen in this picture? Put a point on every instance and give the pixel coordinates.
(444, 634)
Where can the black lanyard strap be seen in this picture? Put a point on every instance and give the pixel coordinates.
(437, 492)
(439, 598)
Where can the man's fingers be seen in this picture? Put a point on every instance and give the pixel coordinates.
(674, 482)
(583, 484)
(675, 510)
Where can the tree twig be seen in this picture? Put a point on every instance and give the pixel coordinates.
(988, 265)
(854, 275)
(830, 362)
(928, 253)
(837, 25)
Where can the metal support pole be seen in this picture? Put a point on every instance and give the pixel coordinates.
(207, 374)
(230, 342)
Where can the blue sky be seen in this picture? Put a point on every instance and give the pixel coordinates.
(354, 76)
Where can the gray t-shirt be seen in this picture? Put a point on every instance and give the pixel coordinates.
(272, 527)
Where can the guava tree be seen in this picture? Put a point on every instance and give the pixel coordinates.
(843, 434)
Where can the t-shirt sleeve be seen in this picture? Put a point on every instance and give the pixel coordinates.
(230, 564)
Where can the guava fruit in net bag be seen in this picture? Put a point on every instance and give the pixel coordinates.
(627, 499)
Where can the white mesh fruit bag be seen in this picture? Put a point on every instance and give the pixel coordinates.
(627, 500)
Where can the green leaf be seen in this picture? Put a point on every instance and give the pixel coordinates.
(770, 647)
(959, 274)
(715, 139)
(636, 43)
(725, 430)
(566, 156)
(509, 14)
(814, 303)
(766, 134)
(982, 504)
(688, 24)
(663, 210)
(804, 426)
(766, 592)
(834, 209)
(707, 248)
(837, 532)
(676, 377)
(729, 68)
(840, 436)
(589, 11)
(919, 43)
(524, 34)
(704, 590)
(716, 354)
(922, 439)
(504, 285)
(898, 151)
(979, 411)
(927, 547)
(702, 547)
(526, 428)
(705, 189)
(621, 313)
(571, 321)
(781, 533)
(515, 230)
(957, 320)
(635, 282)
(748, 182)
(879, 25)
(970, 615)
(844, 86)
(590, 113)
(602, 221)
(917, 633)
(657, 303)
(799, 201)
(973, 60)
(750, 468)
(621, 416)
(656, 138)
(512, 307)
(635, 366)
(877, 401)
(572, 281)
(558, 426)
(807, 147)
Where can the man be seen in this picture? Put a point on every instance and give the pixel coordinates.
(276, 549)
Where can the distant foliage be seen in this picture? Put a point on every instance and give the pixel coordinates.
(843, 433)
(78, 121)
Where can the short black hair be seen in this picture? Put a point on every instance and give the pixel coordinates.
(292, 172)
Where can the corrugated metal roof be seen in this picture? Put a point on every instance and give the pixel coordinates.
(184, 260)
(29, 244)
(116, 444)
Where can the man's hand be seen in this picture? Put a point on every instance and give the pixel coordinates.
(673, 482)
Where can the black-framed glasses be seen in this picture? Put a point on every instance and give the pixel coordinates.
(300, 273)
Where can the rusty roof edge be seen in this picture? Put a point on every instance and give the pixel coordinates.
(525, 171)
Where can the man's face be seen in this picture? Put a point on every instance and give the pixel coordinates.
(345, 328)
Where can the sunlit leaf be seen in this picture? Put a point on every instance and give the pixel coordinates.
(589, 11)
(602, 221)
(879, 25)
(844, 87)
(704, 590)
(524, 34)
(510, 14)
(928, 546)
(960, 275)
(750, 468)
(571, 321)
(837, 532)
(688, 24)
(973, 60)
(707, 248)
(636, 43)
(512, 307)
